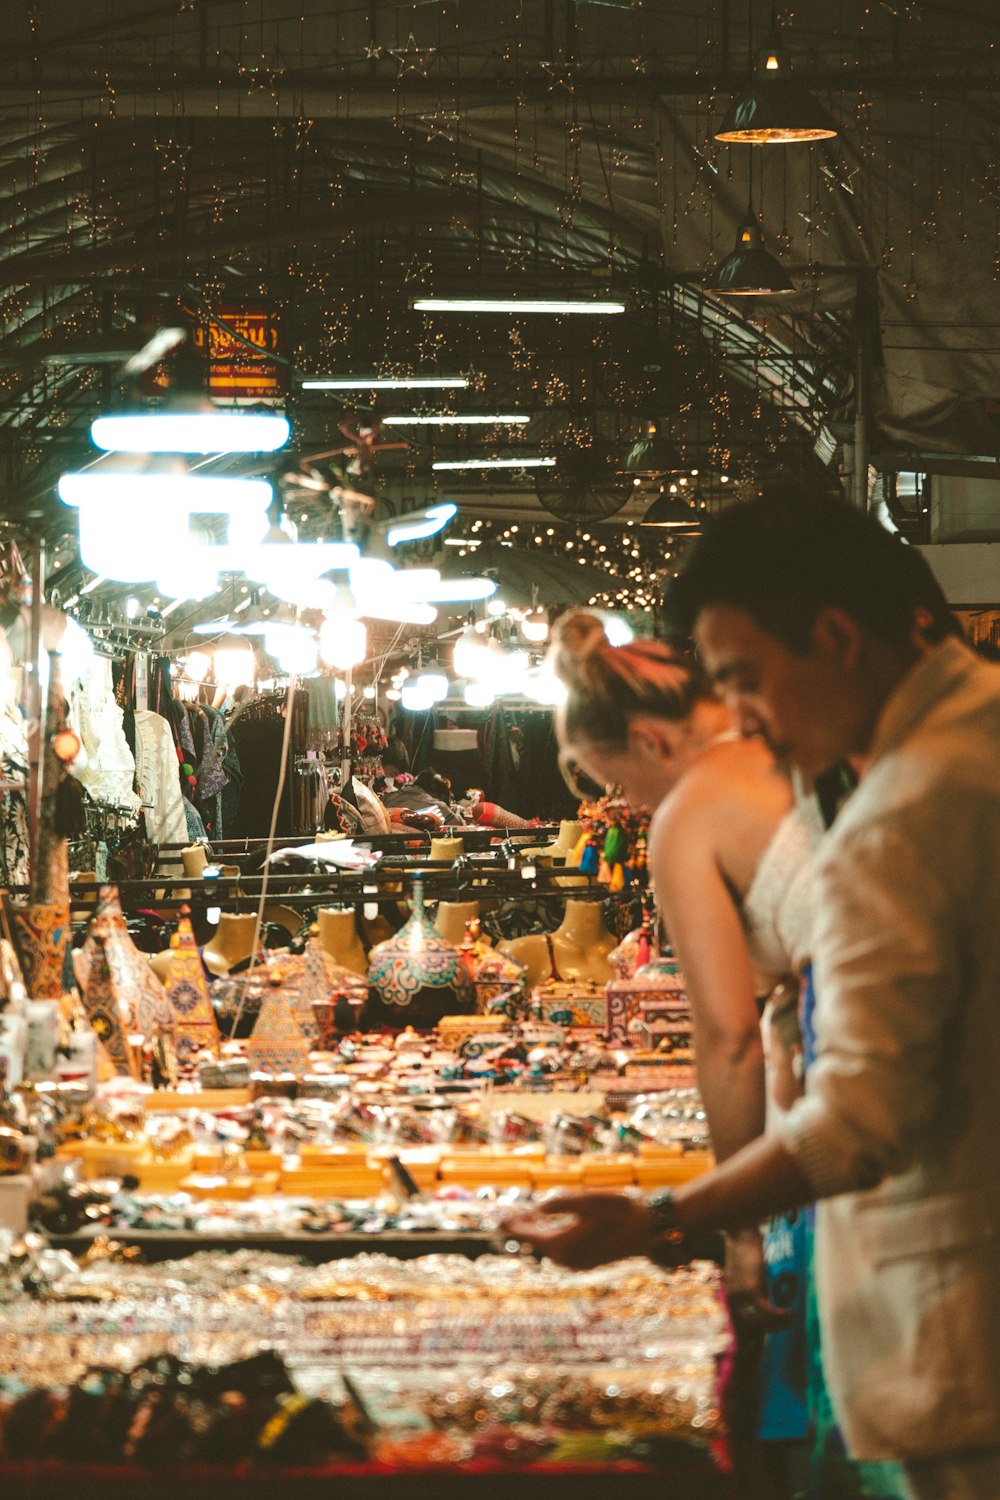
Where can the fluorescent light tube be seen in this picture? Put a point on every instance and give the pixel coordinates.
(494, 463)
(191, 432)
(470, 419)
(380, 383)
(516, 305)
(185, 492)
(416, 525)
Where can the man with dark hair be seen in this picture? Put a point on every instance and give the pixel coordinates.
(824, 637)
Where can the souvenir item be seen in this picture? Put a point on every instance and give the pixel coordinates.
(14, 1154)
(309, 978)
(187, 992)
(635, 949)
(659, 981)
(13, 1037)
(40, 931)
(493, 975)
(578, 1002)
(42, 1018)
(134, 988)
(417, 973)
(612, 844)
(279, 1042)
(663, 1025)
(236, 1003)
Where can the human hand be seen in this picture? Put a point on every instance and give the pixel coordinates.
(583, 1230)
(746, 1285)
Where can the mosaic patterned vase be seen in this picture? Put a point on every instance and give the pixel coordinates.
(137, 992)
(188, 994)
(417, 974)
(625, 958)
(41, 937)
(278, 1043)
(492, 974)
(308, 978)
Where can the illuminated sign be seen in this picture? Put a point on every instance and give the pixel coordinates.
(240, 343)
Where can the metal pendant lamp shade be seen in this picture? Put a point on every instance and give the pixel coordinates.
(775, 110)
(671, 512)
(750, 271)
(652, 454)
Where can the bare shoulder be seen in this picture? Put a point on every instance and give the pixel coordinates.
(732, 771)
(727, 806)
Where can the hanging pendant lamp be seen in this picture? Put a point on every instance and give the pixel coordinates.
(652, 454)
(775, 110)
(750, 271)
(672, 511)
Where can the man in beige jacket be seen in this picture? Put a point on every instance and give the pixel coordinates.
(803, 611)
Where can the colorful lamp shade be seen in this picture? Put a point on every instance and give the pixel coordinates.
(416, 974)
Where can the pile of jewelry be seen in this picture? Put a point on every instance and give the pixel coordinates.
(457, 1356)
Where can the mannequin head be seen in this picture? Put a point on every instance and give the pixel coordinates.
(634, 716)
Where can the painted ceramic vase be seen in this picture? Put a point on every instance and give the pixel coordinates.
(493, 975)
(134, 987)
(279, 1042)
(187, 992)
(416, 974)
(40, 931)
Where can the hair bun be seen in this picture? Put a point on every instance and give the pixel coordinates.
(575, 638)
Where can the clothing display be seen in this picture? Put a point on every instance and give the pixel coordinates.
(156, 775)
(109, 773)
(14, 837)
(257, 732)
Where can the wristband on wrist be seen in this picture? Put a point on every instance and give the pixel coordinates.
(663, 1212)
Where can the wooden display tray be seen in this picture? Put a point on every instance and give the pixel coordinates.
(688, 1478)
(174, 1099)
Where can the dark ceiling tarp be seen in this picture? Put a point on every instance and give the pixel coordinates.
(587, 126)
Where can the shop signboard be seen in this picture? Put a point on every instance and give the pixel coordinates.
(241, 343)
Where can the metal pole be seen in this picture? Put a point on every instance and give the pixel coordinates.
(859, 477)
(33, 697)
(345, 763)
(866, 332)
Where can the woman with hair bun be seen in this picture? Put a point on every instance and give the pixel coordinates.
(729, 857)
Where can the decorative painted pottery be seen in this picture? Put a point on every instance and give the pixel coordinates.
(575, 1002)
(493, 975)
(108, 1011)
(660, 980)
(40, 931)
(187, 992)
(625, 958)
(635, 950)
(278, 1043)
(328, 984)
(141, 999)
(309, 979)
(417, 974)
